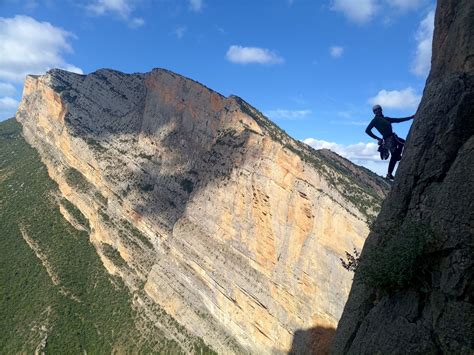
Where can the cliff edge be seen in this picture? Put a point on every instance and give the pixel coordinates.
(413, 290)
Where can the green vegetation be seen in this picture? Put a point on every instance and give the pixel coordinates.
(351, 263)
(145, 156)
(74, 211)
(100, 198)
(95, 145)
(146, 187)
(187, 185)
(135, 233)
(275, 132)
(77, 180)
(55, 292)
(113, 255)
(399, 258)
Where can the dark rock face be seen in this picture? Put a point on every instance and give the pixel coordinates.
(434, 313)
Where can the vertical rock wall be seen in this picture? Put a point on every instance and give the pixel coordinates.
(434, 191)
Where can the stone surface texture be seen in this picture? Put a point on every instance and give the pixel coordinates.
(434, 187)
(222, 219)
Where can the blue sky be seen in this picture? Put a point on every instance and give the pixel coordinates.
(314, 67)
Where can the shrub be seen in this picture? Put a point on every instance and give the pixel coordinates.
(398, 259)
(113, 255)
(146, 187)
(75, 179)
(187, 185)
(76, 213)
(352, 261)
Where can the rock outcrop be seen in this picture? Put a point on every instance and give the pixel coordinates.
(218, 216)
(430, 311)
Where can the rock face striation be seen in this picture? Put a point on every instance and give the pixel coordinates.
(210, 210)
(432, 310)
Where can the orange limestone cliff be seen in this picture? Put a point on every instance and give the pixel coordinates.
(218, 216)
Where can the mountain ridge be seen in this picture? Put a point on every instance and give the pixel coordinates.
(201, 204)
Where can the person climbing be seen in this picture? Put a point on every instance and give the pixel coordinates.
(390, 140)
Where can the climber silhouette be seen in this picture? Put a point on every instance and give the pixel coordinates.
(390, 141)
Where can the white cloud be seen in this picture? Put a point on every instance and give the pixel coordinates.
(121, 8)
(7, 89)
(364, 154)
(359, 11)
(403, 99)
(8, 103)
(220, 30)
(287, 114)
(361, 151)
(246, 55)
(136, 22)
(8, 107)
(195, 5)
(179, 31)
(336, 51)
(424, 38)
(31, 47)
(405, 4)
(102, 7)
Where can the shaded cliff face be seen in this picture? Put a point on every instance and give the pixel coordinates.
(55, 295)
(430, 311)
(215, 214)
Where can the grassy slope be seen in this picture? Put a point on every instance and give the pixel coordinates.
(31, 304)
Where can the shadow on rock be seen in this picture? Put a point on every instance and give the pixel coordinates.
(160, 136)
(315, 341)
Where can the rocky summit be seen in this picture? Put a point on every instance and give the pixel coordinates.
(202, 206)
(413, 290)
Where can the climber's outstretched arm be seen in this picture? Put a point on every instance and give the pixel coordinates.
(398, 120)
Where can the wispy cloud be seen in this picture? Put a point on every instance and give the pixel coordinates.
(8, 103)
(7, 89)
(397, 99)
(350, 122)
(364, 154)
(424, 38)
(179, 31)
(8, 107)
(136, 22)
(196, 5)
(358, 11)
(121, 8)
(220, 30)
(247, 55)
(406, 4)
(336, 51)
(31, 47)
(363, 11)
(366, 151)
(287, 114)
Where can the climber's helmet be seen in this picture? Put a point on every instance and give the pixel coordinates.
(376, 108)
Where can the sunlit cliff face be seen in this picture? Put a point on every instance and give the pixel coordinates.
(228, 224)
